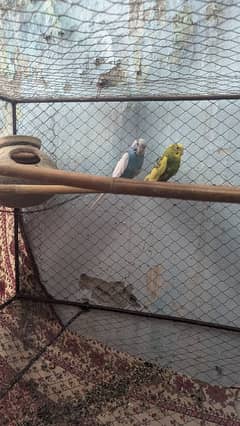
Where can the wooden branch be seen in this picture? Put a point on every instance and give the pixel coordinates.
(42, 189)
(224, 194)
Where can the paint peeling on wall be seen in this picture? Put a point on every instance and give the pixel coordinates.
(160, 9)
(213, 11)
(139, 13)
(97, 290)
(136, 17)
(10, 4)
(183, 29)
(112, 78)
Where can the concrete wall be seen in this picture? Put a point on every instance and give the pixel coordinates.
(144, 46)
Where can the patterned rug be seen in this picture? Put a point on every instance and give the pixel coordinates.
(51, 376)
(7, 275)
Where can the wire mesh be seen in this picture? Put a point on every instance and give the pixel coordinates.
(187, 349)
(162, 256)
(73, 48)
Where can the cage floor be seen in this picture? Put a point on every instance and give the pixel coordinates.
(51, 375)
(204, 353)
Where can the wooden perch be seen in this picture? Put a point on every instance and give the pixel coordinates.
(11, 189)
(224, 194)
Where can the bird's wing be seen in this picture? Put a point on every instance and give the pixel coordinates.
(117, 172)
(120, 166)
(162, 166)
(158, 170)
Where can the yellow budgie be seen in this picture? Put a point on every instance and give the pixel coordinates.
(167, 165)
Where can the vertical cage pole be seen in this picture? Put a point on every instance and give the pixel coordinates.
(14, 118)
(16, 212)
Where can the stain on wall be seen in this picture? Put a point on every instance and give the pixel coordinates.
(160, 9)
(155, 283)
(183, 30)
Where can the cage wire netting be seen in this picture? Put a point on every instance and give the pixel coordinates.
(159, 256)
(88, 78)
(81, 48)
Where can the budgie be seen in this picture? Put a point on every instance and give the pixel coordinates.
(167, 165)
(130, 164)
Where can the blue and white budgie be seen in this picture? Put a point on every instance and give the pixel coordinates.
(129, 165)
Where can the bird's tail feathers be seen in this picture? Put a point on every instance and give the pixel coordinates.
(96, 201)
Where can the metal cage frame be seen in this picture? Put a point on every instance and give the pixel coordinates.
(17, 213)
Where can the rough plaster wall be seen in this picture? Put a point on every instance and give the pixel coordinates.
(130, 46)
